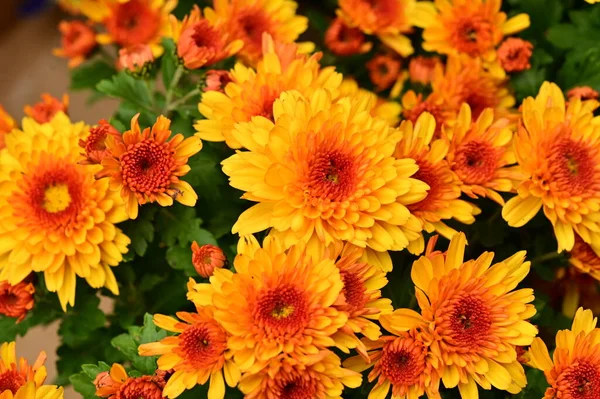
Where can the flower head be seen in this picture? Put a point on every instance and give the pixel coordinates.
(382, 108)
(94, 145)
(326, 172)
(16, 300)
(216, 80)
(421, 69)
(78, 41)
(145, 167)
(583, 93)
(344, 40)
(207, 258)
(46, 109)
(574, 369)
(584, 258)
(135, 58)
(384, 70)
(57, 218)
(413, 106)
(7, 123)
(558, 150)
(116, 384)
(514, 54)
(197, 353)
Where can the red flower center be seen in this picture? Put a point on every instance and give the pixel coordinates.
(133, 23)
(11, 381)
(299, 388)
(250, 25)
(141, 387)
(581, 380)
(571, 168)
(282, 310)
(332, 174)
(203, 344)
(433, 176)
(470, 322)
(476, 162)
(472, 34)
(402, 361)
(147, 167)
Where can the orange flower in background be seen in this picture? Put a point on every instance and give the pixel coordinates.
(197, 353)
(247, 20)
(481, 153)
(384, 70)
(344, 40)
(388, 19)
(317, 375)
(413, 106)
(134, 58)
(573, 371)
(118, 385)
(200, 42)
(7, 124)
(16, 300)
(558, 150)
(145, 167)
(217, 80)
(78, 41)
(421, 69)
(207, 258)
(443, 197)
(46, 109)
(514, 54)
(583, 93)
(584, 258)
(94, 145)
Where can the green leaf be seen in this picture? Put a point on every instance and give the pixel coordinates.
(93, 370)
(141, 230)
(180, 258)
(168, 62)
(180, 225)
(81, 321)
(125, 344)
(126, 87)
(528, 83)
(83, 381)
(563, 36)
(89, 75)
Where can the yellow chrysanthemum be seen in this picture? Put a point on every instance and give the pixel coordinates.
(443, 197)
(471, 318)
(252, 93)
(388, 110)
(55, 217)
(276, 302)
(19, 380)
(247, 20)
(558, 151)
(325, 171)
(197, 354)
(388, 19)
(574, 369)
(584, 258)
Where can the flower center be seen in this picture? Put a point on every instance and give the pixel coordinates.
(476, 162)
(203, 344)
(470, 321)
(433, 176)
(56, 198)
(282, 310)
(402, 361)
(298, 389)
(147, 167)
(354, 291)
(473, 34)
(331, 175)
(572, 168)
(203, 35)
(139, 388)
(11, 381)
(133, 23)
(580, 381)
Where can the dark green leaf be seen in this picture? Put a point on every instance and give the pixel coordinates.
(81, 321)
(168, 62)
(180, 258)
(180, 225)
(563, 36)
(141, 230)
(126, 87)
(89, 75)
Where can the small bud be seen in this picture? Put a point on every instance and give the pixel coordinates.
(216, 80)
(136, 59)
(94, 145)
(207, 258)
(103, 379)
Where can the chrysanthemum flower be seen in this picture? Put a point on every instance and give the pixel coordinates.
(198, 353)
(574, 369)
(7, 124)
(200, 42)
(344, 40)
(382, 108)
(583, 93)
(145, 167)
(132, 22)
(413, 106)
(78, 41)
(384, 70)
(19, 380)
(481, 153)
(276, 302)
(118, 385)
(558, 151)
(325, 171)
(94, 145)
(16, 300)
(471, 318)
(317, 375)
(584, 258)
(421, 69)
(46, 109)
(514, 54)
(56, 218)
(252, 93)
(247, 20)
(135, 58)
(442, 201)
(472, 27)
(207, 258)
(388, 19)
(216, 80)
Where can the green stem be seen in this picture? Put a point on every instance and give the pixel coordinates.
(171, 88)
(183, 100)
(546, 257)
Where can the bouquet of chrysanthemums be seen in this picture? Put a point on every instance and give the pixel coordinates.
(310, 200)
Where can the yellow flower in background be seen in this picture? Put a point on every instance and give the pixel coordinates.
(574, 369)
(56, 218)
(388, 19)
(443, 197)
(388, 110)
(252, 93)
(248, 20)
(558, 150)
(19, 380)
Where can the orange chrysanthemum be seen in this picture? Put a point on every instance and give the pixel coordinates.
(7, 124)
(421, 69)
(207, 258)
(558, 150)
(201, 43)
(388, 19)
(94, 145)
(276, 302)
(118, 385)
(248, 20)
(16, 300)
(198, 353)
(46, 109)
(135, 58)
(481, 153)
(384, 70)
(413, 106)
(252, 93)
(584, 258)
(382, 108)
(57, 218)
(583, 93)
(145, 167)
(514, 54)
(471, 318)
(317, 375)
(573, 372)
(344, 40)
(78, 41)
(442, 201)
